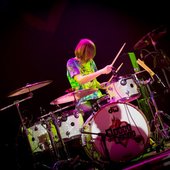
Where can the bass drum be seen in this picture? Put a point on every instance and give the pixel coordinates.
(118, 132)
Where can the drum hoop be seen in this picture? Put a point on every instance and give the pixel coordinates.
(134, 96)
(92, 118)
(117, 78)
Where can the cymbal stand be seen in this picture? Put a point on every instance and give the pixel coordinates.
(161, 132)
(17, 104)
(154, 44)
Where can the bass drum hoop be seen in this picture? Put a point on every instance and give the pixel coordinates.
(97, 124)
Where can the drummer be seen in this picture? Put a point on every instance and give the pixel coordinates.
(82, 74)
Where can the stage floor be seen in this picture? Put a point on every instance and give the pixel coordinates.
(151, 159)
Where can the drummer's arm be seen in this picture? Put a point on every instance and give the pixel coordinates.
(82, 79)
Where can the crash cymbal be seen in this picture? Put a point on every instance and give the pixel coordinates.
(29, 87)
(73, 96)
(150, 38)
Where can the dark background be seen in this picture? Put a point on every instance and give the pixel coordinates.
(37, 37)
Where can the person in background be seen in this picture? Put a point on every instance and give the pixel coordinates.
(82, 74)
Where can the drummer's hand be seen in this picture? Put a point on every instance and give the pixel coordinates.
(107, 69)
(103, 85)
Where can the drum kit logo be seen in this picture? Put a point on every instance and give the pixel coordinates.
(120, 132)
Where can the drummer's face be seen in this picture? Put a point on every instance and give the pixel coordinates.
(89, 54)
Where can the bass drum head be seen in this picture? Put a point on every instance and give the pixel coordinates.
(118, 132)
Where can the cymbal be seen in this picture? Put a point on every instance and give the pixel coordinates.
(150, 37)
(29, 87)
(73, 96)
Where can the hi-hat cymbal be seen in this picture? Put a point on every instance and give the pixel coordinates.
(29, 87)
(73, 96)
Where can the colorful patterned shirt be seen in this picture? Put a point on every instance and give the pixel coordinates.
(74, 68)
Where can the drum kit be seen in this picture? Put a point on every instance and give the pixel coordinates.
(117, 131)
(109, 134)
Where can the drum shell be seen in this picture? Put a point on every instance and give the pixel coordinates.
(123, 89)
(39, 137)
(70, 124)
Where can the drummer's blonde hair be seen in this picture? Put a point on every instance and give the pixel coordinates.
(85, 50)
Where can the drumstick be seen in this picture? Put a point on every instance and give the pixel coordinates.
(118, 54)
(116, 71)
(119, 67)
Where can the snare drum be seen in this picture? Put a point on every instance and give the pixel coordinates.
(118, 132)
(123, 89)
